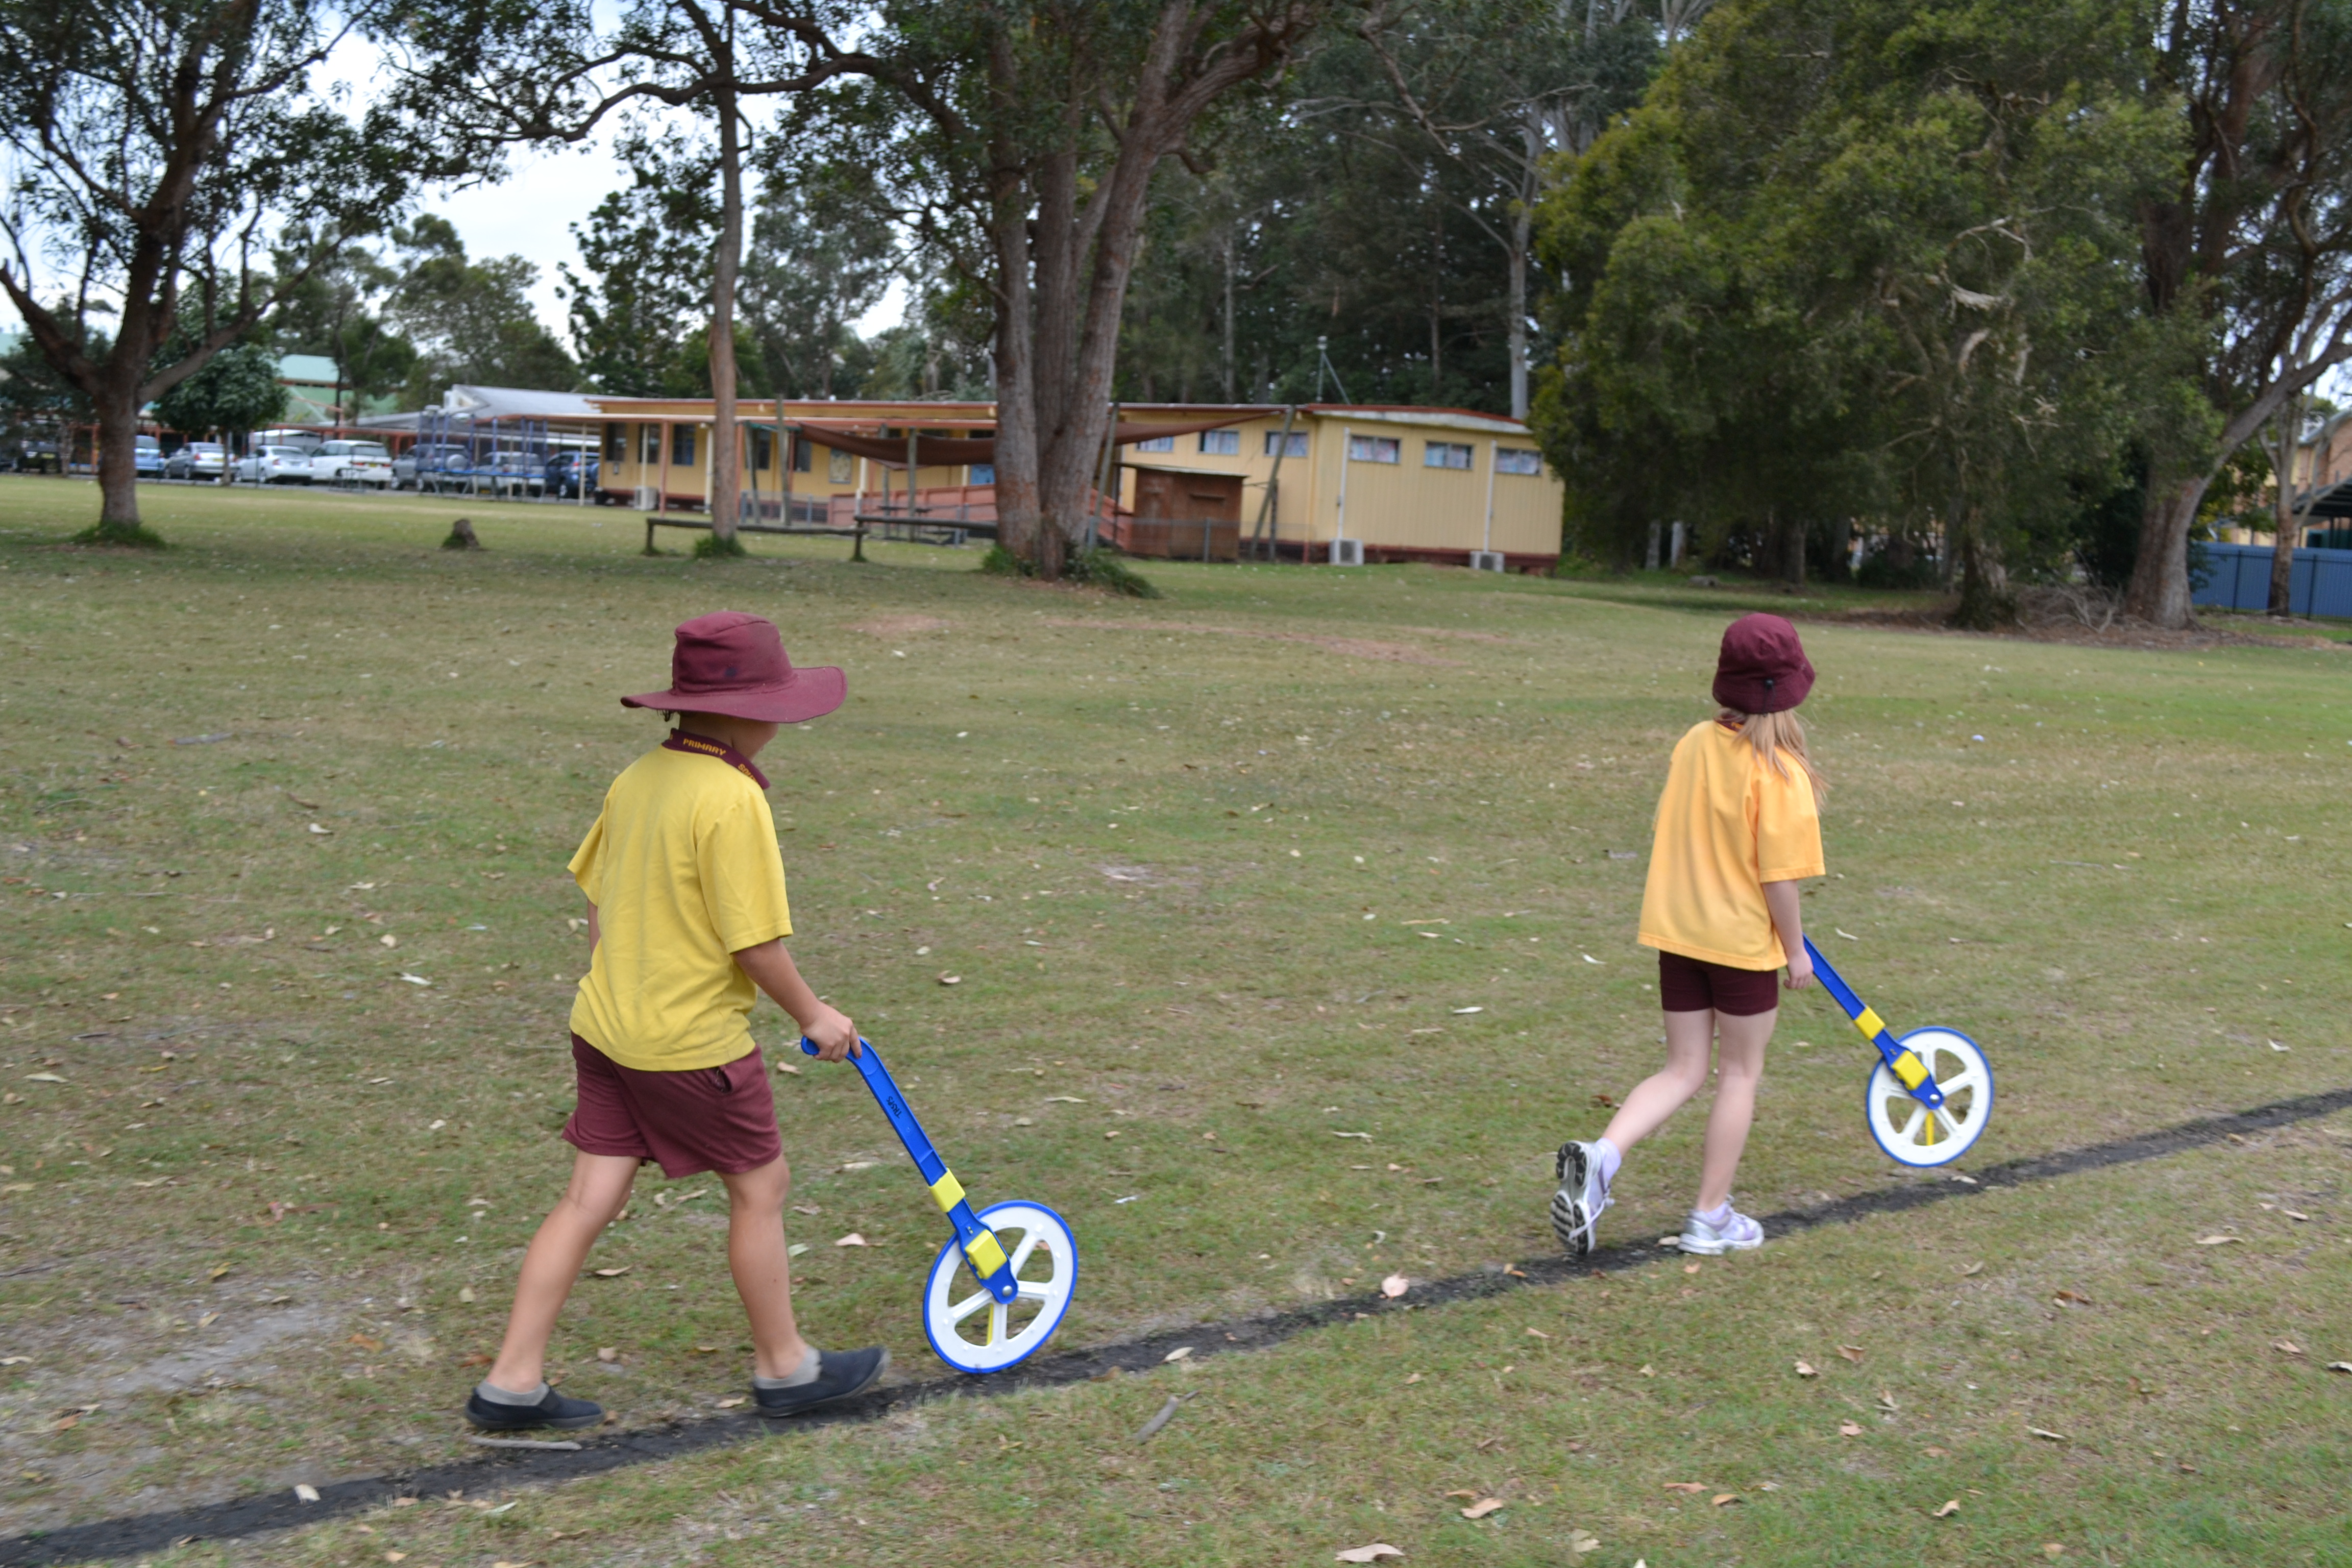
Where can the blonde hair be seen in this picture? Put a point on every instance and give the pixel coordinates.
(1773, 734)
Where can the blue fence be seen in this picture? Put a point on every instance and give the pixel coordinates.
(2238, 577)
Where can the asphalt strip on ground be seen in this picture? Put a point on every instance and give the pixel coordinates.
(281, 1510)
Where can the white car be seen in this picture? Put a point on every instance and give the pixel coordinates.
(274, 466)
(352, 463)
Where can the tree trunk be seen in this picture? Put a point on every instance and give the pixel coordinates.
(1793, 553)
(118, 468)
(2158, 591)
(2282, 528)
(1226, 364)
(1523, 219)
(1016, 407)
(1985, 600)
(726, 469)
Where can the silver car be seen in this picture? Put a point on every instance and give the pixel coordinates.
(196, 460)
(274, 466)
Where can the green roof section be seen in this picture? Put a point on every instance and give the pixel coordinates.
(306, 370)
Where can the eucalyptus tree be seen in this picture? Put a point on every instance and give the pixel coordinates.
(162, 148)
(1018, 139)
(2247, 254)
(1496, 94)
(491, 74)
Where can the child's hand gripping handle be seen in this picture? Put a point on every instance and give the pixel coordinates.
(1902, 1062)
(980, 1245)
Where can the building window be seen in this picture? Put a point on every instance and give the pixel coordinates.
(1517, 460)
(1446, 455)
(801, 448)
(1295, 447)
(763, 447)
(616, 443)
(681, 446)
(981, 474)
(650, 444)
(1372, 448)
(1156, 444)
(1221, 443)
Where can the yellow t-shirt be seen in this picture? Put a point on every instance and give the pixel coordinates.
(683, 867)
(1727, 826)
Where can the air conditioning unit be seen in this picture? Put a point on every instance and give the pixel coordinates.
(1347, 553)
(1486, 560)
(648, 498)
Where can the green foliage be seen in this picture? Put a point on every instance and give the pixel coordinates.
(1870, 260)
(646, 255)
(711, 547)
(819, 258)
(237, 390)
(471, 321)
(336, 310)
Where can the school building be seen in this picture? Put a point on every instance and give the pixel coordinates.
(1317, 482)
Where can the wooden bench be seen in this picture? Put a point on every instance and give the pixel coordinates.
(862, 523)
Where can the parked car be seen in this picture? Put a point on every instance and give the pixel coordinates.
(33, 457)
(403, 471)
(147, 458)
(352, 463)
(563, 476)
(196, 460)
(290, 435)
(274, 466)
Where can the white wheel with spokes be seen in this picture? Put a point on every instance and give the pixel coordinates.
(1908, 1130)
(970, 1328)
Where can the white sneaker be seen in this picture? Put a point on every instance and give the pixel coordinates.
(1583, 1194)
(1737, 1233)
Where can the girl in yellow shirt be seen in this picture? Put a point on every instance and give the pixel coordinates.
(1739, 823)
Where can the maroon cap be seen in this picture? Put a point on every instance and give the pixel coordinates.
(734, 664)
(1762, 668)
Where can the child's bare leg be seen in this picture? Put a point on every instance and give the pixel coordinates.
(599, 1189)
(1738, 1068)
(1689, 1039)
(763, 1272)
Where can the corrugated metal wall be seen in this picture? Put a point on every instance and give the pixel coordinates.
(2238, 577)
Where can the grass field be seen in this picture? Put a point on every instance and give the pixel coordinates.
(1218, 876)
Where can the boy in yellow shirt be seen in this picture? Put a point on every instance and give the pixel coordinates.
(1737, 827)
(687, 917)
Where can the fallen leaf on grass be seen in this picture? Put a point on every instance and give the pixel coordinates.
(950, 979)
(1472, 1496)
(1848, 1429)
(395, 1556)
(2051, 1549)
(2286, 1347)
(1395, 1285)
(2339, 1366)
(1372, 1554)
(791, 1067)
(2048, 1436)
(608, 1353)
(220, 1269)
(364, 1342)
(1538, 1335)
(1482, 1507)
(2214, 1240)
(2071, 1299)
(1934, 1453)
(65, 1423)
(1580, 1542)
(1179, 1353)
(796, 1249)
(1949, 1509)
(43, 1078)
(1690, 1267)
(1805, 1369)
(852, 1239)
(1723, 1500)
(615, 1273)
(1693, 1488)
(1850, 1353)
(731, 1402)
(305, 1492)
(2295, 1214)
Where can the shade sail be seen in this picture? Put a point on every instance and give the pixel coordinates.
(956, 451)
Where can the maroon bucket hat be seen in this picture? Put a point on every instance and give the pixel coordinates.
(734, 664)
(1762, 668)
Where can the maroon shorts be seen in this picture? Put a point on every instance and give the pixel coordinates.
(1693, 985)
(718, 1118)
